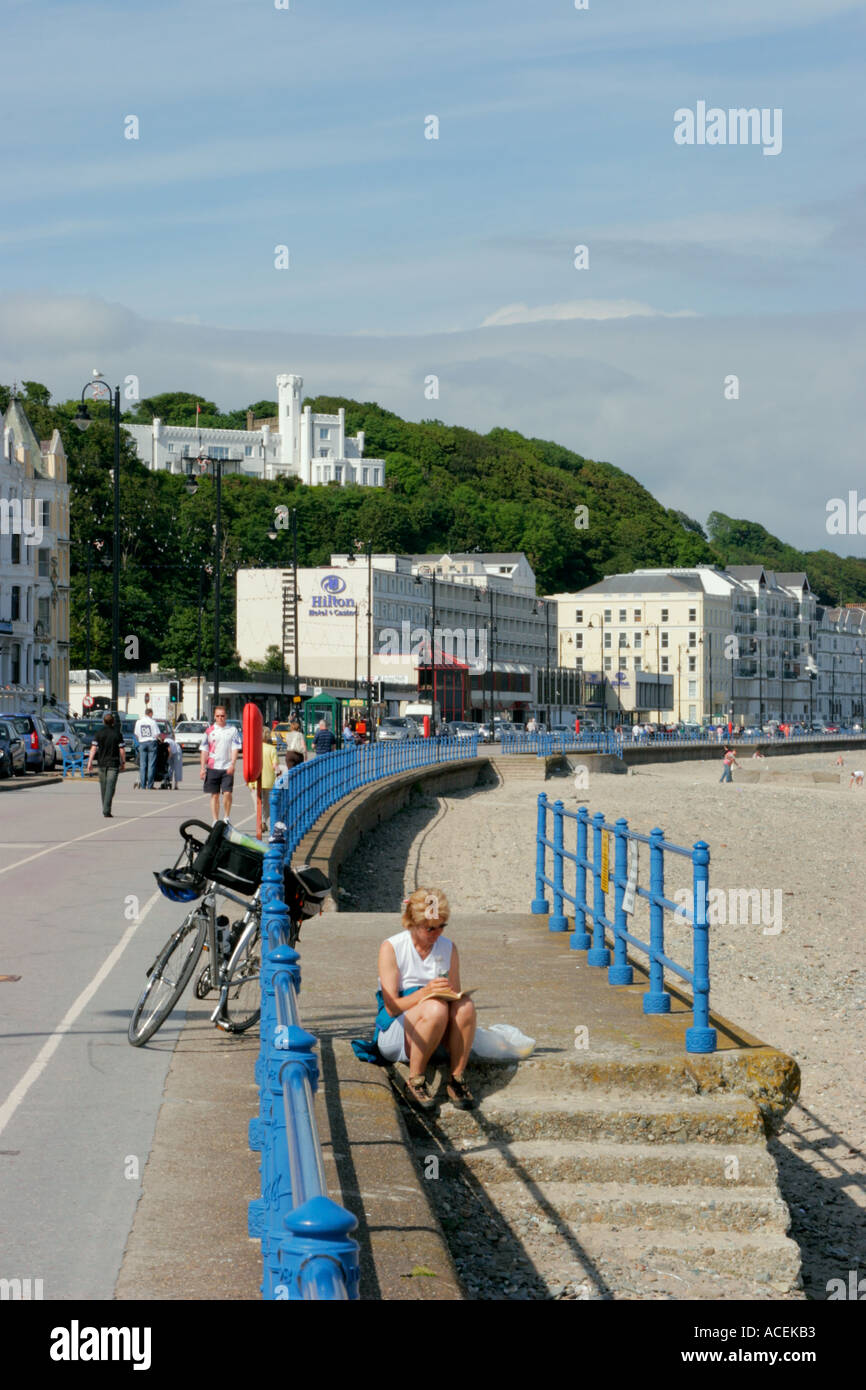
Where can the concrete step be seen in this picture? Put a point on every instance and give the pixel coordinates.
(578, 1071)
(645, 1207)
(705, 1166)
(743, 1256)
(620, 1119)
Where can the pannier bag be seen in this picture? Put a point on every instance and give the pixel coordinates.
(231, 859)
(306, 889)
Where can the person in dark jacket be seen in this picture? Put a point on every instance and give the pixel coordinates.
(108, 749)
(323, 739)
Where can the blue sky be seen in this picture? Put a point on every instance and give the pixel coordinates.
(305, 127)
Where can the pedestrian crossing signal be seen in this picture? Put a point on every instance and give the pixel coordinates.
(175, 691)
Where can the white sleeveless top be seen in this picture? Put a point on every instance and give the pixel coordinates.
(411, 969)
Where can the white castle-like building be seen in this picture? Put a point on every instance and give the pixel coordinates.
(314, 448)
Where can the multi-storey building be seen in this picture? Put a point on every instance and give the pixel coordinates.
(298, 443)
(695, 644)
(488, 637)
(841, 648)
(34, 566)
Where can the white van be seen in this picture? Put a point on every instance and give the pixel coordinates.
(418, 709)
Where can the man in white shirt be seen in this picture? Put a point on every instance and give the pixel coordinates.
(147, 732)
(220, 745)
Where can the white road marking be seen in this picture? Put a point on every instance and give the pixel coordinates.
(46, 1052)
(104, 830)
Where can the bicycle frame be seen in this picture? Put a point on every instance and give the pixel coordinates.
(252, 920)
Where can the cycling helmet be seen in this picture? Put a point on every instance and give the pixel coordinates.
(179, 885)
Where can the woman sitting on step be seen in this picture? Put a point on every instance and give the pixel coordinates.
(416, 964)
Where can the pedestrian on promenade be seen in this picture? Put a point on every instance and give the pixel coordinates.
(729, 761)
(295, 741)
(323, 740)
(856, 780)
(147, 732)
(270, 768)
(107, 748)
(416, 964)
(219, 748)
(531, 726)
(348, 734)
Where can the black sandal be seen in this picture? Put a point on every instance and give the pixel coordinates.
(459, 1094)
(418, 1094)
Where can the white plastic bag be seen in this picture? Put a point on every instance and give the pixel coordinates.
(501, 1042)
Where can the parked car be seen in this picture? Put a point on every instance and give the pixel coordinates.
(189, 734)
(397, 728)
(64, 735)
(460, 728)
(38, 743)
(832, 729)
(13, 755)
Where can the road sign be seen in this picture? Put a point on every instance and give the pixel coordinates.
(87, 702)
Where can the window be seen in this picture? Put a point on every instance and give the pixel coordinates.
(44, 556)
(324, 453)
(664, 639)
(693, 689)
(324, 434)
(365, 476)
(16, 602)
(637, 615)
(637, 663)
(623, 615)
(623, 639)
(607, 663)
(623, 663)
(15, 664)
(16, 550)
(693, 639)
(43, 517)
(693, 615)
(638, 641)
(578, 615)
(248, 451)
(44, 615)
(607, 641)
(338, 472)
(578, 665)
(664, 664)
(578, 640)
(664, 615)
(607, 615)
(693, 663)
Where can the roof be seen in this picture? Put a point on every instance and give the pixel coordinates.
(662, 583)
(22, 432)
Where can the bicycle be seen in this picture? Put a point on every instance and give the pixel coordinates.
(225, 864)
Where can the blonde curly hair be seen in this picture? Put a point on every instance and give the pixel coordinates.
(425, 905)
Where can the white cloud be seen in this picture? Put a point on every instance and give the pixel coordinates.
(579, 309)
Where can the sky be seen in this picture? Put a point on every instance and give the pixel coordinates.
(306, 127)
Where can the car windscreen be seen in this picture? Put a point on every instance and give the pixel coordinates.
(21, 726)
(54, 726)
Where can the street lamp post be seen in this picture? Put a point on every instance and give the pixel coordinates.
(192, 488)
(367, 549)
(198, 645)
(431, 571)
(97, 385)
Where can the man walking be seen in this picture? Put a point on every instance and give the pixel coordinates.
(219, 747)
(323, 740)
(107, 748)
(728, 762)
(147, 732)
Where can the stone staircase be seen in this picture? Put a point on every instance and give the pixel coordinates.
(564, 1183)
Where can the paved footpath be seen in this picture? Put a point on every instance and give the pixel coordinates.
(81, 921)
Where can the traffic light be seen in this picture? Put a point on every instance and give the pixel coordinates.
(175, 692)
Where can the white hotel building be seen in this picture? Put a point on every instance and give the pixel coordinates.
(333, 625)
(313, 448)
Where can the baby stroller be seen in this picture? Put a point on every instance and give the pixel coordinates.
(162, 775)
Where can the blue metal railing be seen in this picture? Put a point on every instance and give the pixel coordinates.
(307, 1251)
(545, 745)
(607, 741)
(313, 787)
(606, 875)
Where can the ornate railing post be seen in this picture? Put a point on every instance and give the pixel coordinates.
(580, 940)
(558, 920)
(540, 904)
(701, 1037)
(598, 954)
(656, 1000)
(620, 973)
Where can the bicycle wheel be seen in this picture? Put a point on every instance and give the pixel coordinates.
(168, 978)
(244, 1000)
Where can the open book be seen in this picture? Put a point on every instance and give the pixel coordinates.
(450, 994)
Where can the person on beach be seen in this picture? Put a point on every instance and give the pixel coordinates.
(758, 754)
(729, 761)
(856, 780)
(417, 963)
